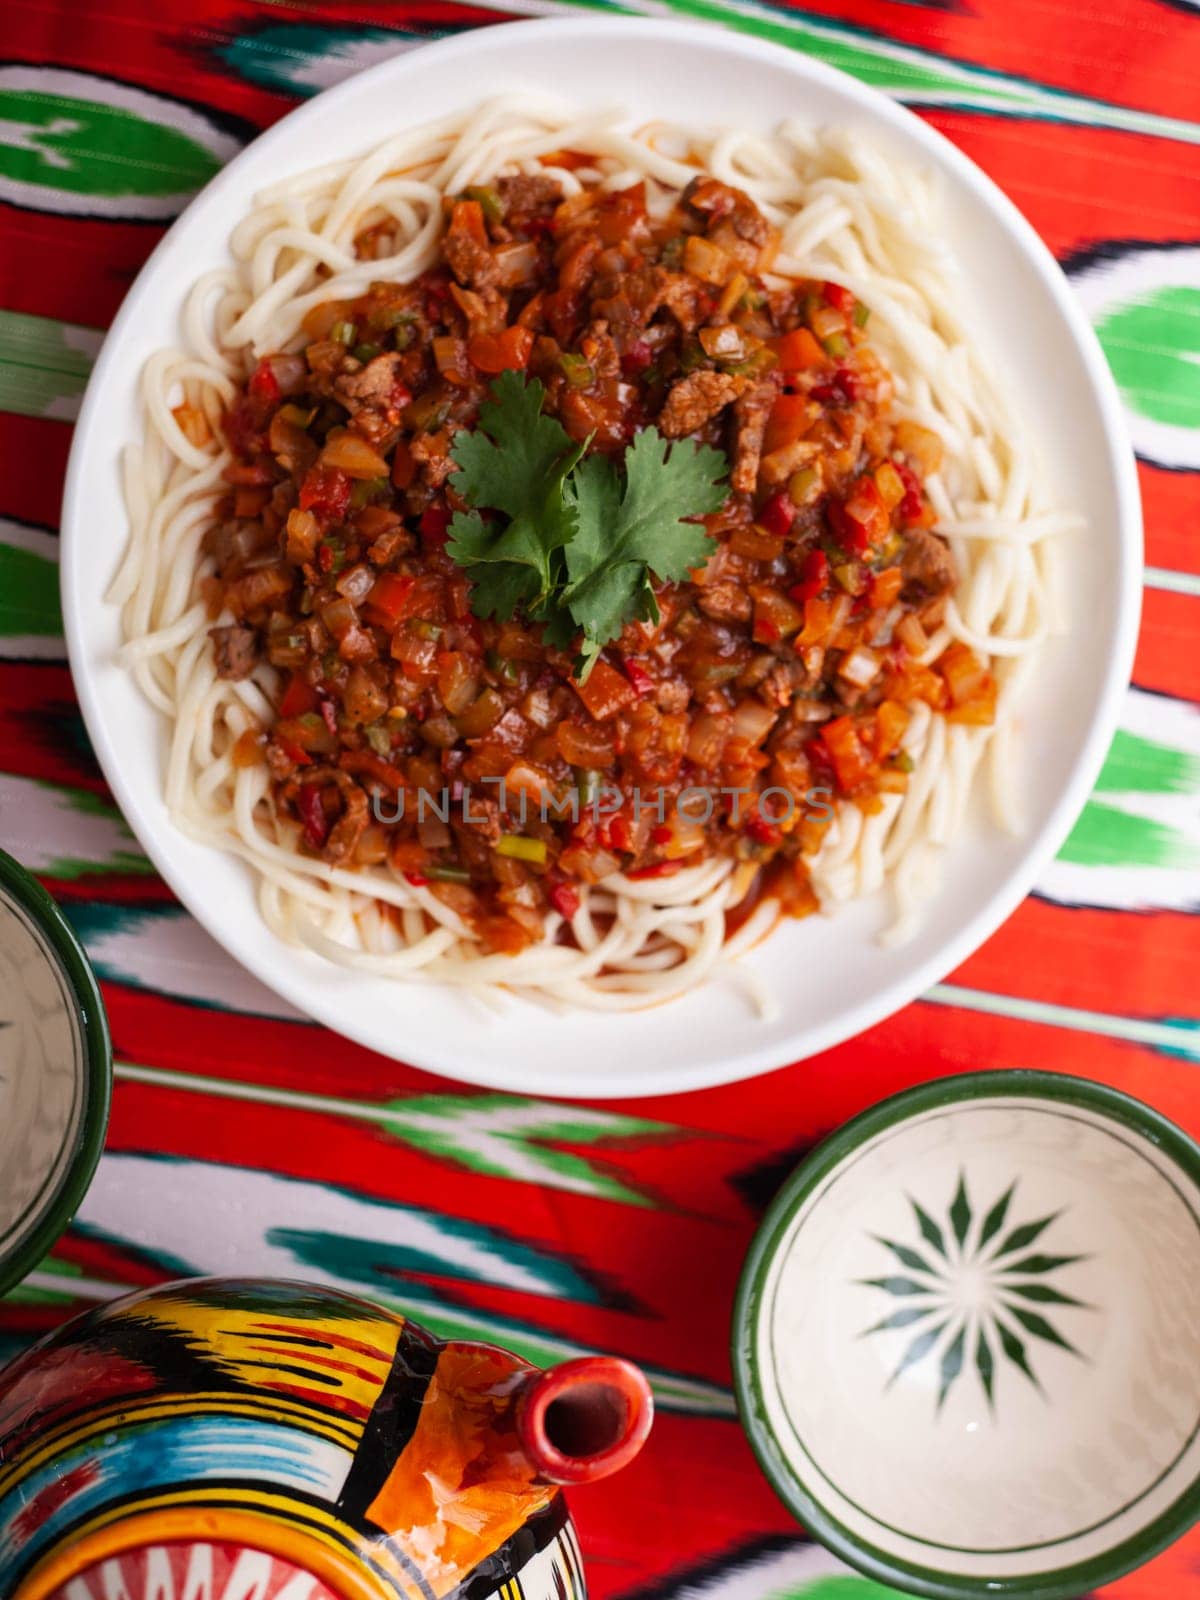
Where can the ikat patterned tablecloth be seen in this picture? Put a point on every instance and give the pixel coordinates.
(245, 1139)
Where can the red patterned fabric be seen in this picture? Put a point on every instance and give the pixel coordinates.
(244, 1138)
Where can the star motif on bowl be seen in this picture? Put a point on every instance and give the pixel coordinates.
(970, 1290)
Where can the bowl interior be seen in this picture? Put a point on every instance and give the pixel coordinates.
(831, 977)
(971, 1335)
(54, 1068)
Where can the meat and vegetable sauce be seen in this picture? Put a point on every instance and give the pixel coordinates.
(786, 660)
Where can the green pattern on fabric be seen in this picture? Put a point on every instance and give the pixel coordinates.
(1153, 347)
(498, 1136)
(1105, 836)
(1142, 766)
(834, 1586)
(86, 147)
(44, 365)
(28, 593)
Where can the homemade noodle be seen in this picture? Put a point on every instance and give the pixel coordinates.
(847, 216)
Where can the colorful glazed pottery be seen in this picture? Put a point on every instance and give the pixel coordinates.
(966, 1340)
(230, 1439)
(55, 1073)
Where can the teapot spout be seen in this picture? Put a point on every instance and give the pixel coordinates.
(584, 1419)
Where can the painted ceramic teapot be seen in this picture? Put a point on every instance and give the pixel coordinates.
(229, 1439)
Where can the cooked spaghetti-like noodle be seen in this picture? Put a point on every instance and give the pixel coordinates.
(846, 215)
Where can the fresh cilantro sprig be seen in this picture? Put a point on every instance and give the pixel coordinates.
(571, 540)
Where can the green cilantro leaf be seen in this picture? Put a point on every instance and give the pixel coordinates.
(515, 452)
(581, 542)
(625, 534)
(515, 462)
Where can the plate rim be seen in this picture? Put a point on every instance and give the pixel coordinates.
(96, 1066)
(1055, 1583)
(1039, 847)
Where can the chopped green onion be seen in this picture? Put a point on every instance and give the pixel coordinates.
(426, 630)
(444, 872)
(835, 346)
(578, 372)
(691, 356)
(392, 317)
(902, 760)
(379, 739)
(343, 332)
(862, 314)
(334, 543)
(404, 336)
(753, 299)
(298, 416)
(521, 848)
(366, 491)
(588, 783)
(366, 351)
(849, 576)
(502, 666)
(488, 199)
(672, 254)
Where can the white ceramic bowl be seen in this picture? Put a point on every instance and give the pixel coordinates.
(832, 976)
(965, 1340)
(55, 1072)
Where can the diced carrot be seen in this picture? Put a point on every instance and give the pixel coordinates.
(503, 352)
(886, 587)
(891, 720)
(798, 351)
(606, 691)
(851, 762)
(789, 421)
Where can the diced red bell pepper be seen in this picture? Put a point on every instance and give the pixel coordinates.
(298, 697)
(366, 764)
(417, 879)
(657, 869)
(777, 515)
(326, 491)
(312, 814)
(840, 390)
(814, 579)
(434, 522)
(861, 519)
(564, 899)
(264, 385)
(840, 299)
(662, 835)
(914, 500)
(637, 358)
(388, 601)
(762, 829)
(293, 752)
(639, 678)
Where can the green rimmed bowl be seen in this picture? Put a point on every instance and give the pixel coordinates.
(967, 1338)
(55, 1072)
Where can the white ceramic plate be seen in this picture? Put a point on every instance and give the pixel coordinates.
(832, 976)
